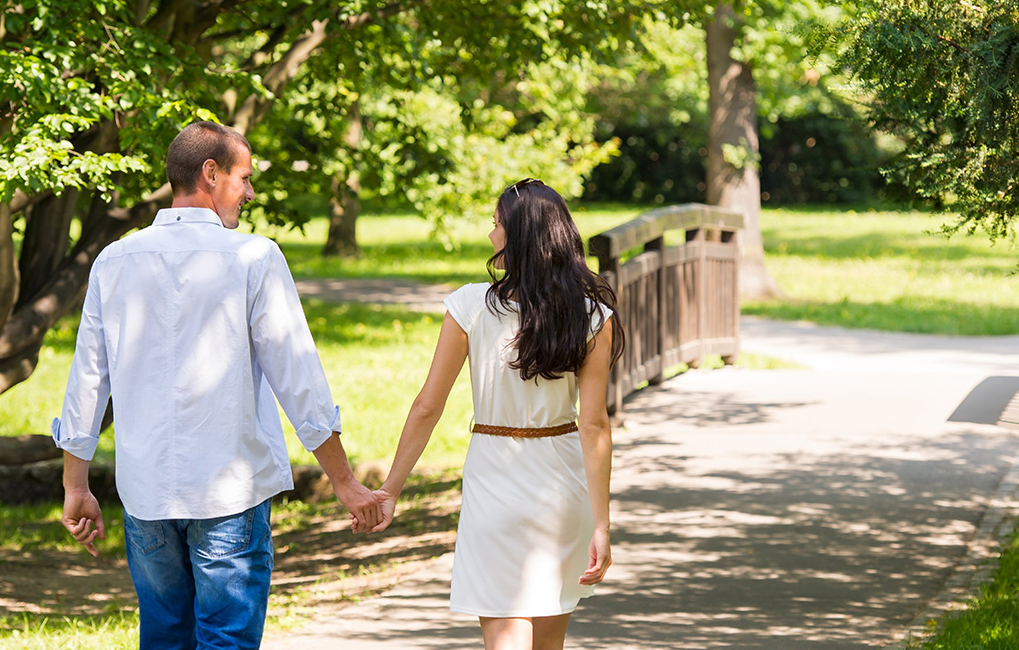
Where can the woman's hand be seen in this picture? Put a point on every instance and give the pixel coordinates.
(388, 503)
(600, 552)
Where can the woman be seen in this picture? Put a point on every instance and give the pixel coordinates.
(533, 536)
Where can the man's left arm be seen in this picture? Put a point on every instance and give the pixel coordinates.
(287, 355)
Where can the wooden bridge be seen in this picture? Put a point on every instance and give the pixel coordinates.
(674, 270)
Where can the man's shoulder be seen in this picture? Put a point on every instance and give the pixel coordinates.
(162, 238)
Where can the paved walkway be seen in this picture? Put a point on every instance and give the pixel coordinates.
(830, 508)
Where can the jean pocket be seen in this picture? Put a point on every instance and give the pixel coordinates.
(225, 536)
(145, 536)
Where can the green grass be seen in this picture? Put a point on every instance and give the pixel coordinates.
(849, 268)
(399, 246)
(117, 630)
(32, 528)
(880, 270)
(990, 622)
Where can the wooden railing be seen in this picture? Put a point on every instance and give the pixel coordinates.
(677, 302)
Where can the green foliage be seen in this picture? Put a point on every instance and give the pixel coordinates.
(443, 143)
(944, 77)
(817, 158)
(654, 101)
(68, 70)
(988, 622)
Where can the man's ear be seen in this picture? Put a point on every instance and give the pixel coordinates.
(210, 170)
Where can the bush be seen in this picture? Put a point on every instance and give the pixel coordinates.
(810, 159)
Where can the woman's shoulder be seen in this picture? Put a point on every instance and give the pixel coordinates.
(474, 288)
(465, 303)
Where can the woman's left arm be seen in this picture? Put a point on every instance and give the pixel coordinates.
(596, 442)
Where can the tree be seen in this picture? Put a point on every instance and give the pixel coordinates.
(744, 37)
(708, 91)
(733, 148)
(944, 77)
(92, 92)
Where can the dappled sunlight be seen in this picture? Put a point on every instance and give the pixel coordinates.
(842, 533)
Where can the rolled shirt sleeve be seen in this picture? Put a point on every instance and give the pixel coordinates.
(287, 355)
(88, 384)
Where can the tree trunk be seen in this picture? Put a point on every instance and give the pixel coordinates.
(21, 450)
(9, 276)
(732, 108)
(344, 205)
(47, 235)
(59, 290)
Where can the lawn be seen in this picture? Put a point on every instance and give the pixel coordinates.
(881, 270)
(837, 267)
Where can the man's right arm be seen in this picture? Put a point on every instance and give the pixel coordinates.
(81, 509)
(77, 430)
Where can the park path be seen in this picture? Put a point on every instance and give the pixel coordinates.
(832, 507)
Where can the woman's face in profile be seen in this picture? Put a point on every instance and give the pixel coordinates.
(497, 236)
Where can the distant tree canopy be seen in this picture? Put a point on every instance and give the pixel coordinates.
(461, 96)
(814, 144)
(943, 75)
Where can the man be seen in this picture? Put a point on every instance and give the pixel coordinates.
(197, 330)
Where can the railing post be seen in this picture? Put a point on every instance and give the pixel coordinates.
(660, 315)
(729, 238)
(608, 268)
(695, 238)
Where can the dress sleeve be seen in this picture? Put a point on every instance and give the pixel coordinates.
(601, 315)
(465, 303)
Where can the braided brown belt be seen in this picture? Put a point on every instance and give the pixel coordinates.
(515, 432)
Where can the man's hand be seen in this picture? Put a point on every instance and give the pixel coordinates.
(81, 513)
(387, 502)
(363, 505)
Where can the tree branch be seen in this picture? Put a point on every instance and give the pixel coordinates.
(284, 70)
(21, 201)
(23, 332)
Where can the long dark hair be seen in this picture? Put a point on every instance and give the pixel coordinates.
(547, 280)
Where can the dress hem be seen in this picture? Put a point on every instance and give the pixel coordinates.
(510, 614)
(516, 614)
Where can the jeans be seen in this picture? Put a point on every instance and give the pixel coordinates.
(201, 583)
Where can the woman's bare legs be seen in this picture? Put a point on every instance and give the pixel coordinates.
(538, 633)
(549, 632)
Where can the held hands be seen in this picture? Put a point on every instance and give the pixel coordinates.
(365, 511)
(600, 552)
(81, 513)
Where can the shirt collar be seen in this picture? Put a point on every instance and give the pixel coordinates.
(168, 216)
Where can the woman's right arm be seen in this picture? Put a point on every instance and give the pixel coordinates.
(450, 353)
(596, 442)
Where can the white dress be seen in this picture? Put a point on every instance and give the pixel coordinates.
(525, 521)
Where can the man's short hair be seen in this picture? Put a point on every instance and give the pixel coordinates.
(198, 142)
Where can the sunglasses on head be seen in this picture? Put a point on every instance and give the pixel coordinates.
(516, 186)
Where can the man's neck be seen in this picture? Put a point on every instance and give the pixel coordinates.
(198, 200)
